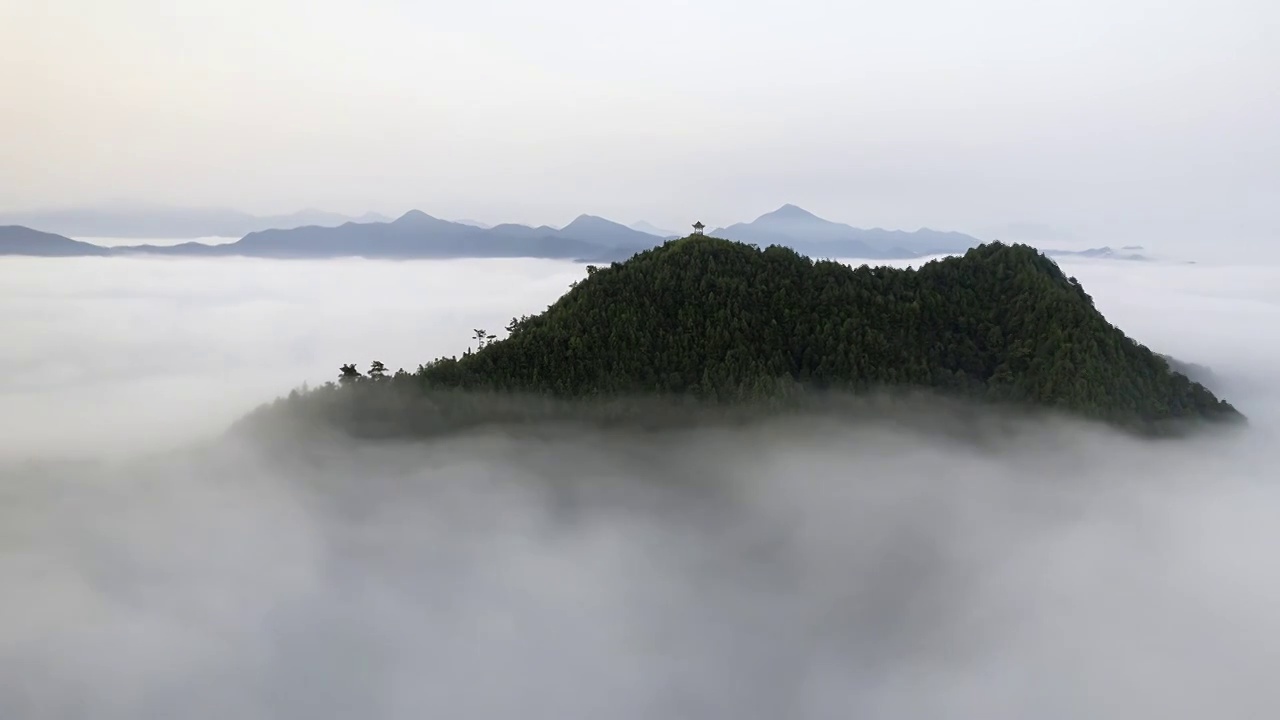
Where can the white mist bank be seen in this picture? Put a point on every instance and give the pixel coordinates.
(107, 355)
(800, 569)
(807, 569)
(160, 242)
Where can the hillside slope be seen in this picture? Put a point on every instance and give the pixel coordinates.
(19, 240)
(709, 329)
(725, 321)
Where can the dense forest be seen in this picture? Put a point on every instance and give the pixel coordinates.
(717, 323)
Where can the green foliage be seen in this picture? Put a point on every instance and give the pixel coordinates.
(349, 374)
(725, 322)
(483, 338)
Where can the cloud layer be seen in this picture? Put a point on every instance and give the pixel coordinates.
(813, 569)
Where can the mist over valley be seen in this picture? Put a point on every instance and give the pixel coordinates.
(911, 559)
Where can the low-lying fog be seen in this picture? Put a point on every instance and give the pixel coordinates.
(113, 354)
(160, 242)
(802, 570)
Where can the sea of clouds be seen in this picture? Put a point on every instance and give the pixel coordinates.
(808, 568)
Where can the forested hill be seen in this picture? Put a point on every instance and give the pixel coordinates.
(725, 321)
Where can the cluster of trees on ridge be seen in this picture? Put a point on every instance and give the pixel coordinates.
(724, 322)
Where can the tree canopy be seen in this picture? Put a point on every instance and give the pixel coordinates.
(727, 322)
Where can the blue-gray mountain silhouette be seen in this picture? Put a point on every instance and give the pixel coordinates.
(1105, 253)
(588, 238)
(149, 221)
(18, 240)
(809, 234)
(419, 235)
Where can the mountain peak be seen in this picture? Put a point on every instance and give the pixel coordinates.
(790, 212)
(593, 222)
(413, 216)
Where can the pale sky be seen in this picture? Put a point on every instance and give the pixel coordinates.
(1138, 120)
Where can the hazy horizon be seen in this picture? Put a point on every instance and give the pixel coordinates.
(1138, 122)
(1037, 235)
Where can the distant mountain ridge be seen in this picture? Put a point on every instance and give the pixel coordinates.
(801, 230)
(419, 235)
(170, 222)
(18, 240)
(413, 235)
(1101, 252)
(588, 238)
